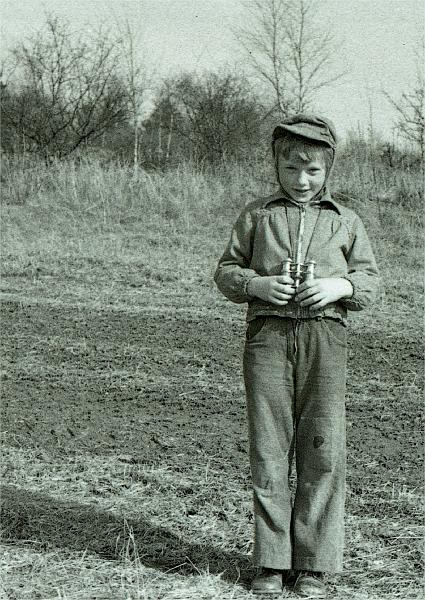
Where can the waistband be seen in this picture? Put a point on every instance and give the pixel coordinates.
(258, 308)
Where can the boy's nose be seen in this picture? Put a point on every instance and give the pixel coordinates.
(302, 177)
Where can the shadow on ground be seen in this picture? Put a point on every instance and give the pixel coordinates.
(52, 523)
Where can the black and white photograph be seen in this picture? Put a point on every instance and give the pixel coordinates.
(212, 303)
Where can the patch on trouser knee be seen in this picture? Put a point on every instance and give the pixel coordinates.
(315, 443)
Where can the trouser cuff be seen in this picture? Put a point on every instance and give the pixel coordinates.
(317, 564)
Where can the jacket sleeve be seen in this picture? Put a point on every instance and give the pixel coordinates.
(362, 270)
(233, 271)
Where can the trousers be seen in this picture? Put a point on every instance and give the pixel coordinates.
(295, 377)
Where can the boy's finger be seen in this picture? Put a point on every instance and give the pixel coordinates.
(281, 296)
(311, 300)
(287, 289)
(305, 285)
(284, 279)
(284, 286)
(306, 293)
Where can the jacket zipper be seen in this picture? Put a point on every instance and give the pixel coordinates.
(298, 255)
(298, 252)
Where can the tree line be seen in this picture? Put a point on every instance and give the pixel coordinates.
(63, 91)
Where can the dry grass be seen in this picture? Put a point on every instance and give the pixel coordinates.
(104, 528)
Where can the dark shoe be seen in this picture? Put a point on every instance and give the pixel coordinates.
(268, 581)
(309, 584)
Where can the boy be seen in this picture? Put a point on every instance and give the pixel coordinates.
(295, 353)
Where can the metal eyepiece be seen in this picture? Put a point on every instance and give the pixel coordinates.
(298, 271)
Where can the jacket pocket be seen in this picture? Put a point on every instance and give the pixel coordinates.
(336, 330)
(254, 328)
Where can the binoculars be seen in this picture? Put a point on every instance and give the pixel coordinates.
(299, 272)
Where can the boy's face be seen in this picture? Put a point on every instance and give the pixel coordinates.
(301, 179)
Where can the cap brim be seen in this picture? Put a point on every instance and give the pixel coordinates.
(304, 130)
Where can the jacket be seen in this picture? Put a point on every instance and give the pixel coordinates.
(261, 241)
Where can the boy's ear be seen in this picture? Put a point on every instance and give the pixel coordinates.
(276, 144)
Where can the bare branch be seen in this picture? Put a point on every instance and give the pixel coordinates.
(410, 107)
(65, 89)
(288, 52)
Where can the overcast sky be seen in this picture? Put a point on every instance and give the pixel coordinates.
(197, 35)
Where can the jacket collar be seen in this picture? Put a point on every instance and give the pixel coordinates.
(280, 195)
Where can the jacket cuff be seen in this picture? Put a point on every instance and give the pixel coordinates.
(247, 277)
(354, 302)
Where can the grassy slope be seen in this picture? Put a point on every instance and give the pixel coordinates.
(97, 237)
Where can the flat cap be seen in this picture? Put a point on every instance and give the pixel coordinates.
(312, 127)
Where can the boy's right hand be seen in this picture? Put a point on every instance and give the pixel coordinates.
(277, 289)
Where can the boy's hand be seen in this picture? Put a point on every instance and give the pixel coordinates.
(277, 289)
(320, 292)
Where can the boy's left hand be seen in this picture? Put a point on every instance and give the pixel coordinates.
(320, 292)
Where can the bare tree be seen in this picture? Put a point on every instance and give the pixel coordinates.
(138, 82)
(65, 90)
(410, 107)
(211, 118)
(287, 50)
(263, 43)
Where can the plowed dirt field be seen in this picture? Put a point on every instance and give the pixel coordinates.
(167, 387)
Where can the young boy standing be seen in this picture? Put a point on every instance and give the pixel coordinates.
(295, 353)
